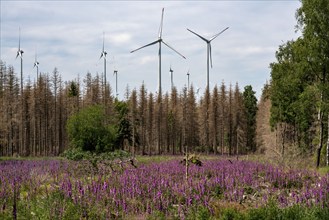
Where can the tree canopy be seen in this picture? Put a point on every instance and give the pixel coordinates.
(299, 84)
(88, 131)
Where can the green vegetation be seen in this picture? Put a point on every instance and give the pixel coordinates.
(123, 126)
(250, 105)
(270, 211)
(88, 130)
(300, 82)
(62, 189)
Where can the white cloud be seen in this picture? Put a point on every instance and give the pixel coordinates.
(252, 50)
(120, 38)
(148, 59)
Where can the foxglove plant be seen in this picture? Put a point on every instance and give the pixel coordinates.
(152, 187)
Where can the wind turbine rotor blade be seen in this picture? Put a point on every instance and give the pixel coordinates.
(197, 35)
(19, 51)
(35, 58)
(174, 49)
(216, 35)
(145, 46)
(103, 40)
(161, 24)
(19, 39)
(103, 53)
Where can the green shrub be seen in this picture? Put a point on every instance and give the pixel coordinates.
(199, 213)
(231, 214)
(74, 154)
(89, 130)
(295, 212)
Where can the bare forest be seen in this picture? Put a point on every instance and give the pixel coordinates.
(33, 120)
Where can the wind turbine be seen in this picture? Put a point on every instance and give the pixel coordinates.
(197, 90)
(188, 79)
(20, 54)
(208, 50)
(159, 40)
(19, 51)
(36, 64)
(103, 54)
(171, 77)
(115, 72)
(116, 82)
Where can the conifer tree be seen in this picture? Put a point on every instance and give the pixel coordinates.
(223, 117)
(142, 112)
(150, 124)
(192, 120)
(174, 125)
(214, 120)
(250, 106)
(134, 120)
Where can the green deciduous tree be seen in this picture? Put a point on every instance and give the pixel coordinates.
(250, 106)
(313, 19)
(123, 125)
(87, 130)
(299, 87)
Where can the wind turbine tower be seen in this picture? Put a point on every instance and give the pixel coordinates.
(160, 41)
(116, 82)
(209, 57)
(188, 79)
(20, 54)
(171, 77)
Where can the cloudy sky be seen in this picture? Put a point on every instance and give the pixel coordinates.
(69, 35)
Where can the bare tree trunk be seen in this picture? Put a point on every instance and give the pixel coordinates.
(186, 164)
(328, 144)
(318, 156)
(133, 142)
(283, 132)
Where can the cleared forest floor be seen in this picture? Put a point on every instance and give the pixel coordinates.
(247, 188)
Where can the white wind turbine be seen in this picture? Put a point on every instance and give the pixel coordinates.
(103, 55)
(171, 77)
(115, 72)
(20, 54)
(188, 79)
(209, 57)
(36, 64)
(159, 40)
